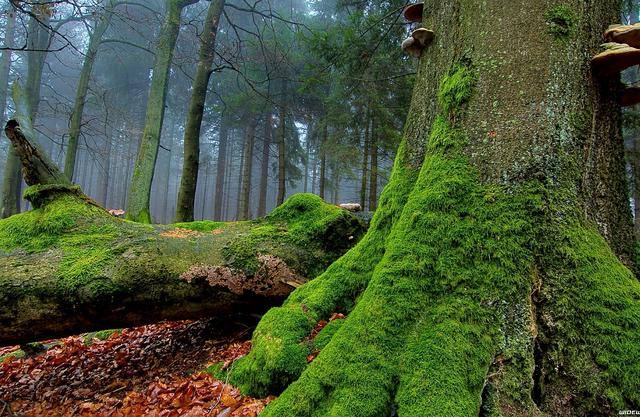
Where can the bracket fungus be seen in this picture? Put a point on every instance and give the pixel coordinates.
(628, 34)
(630, 96)
(419, 39)
(616, 58)
(413, 12)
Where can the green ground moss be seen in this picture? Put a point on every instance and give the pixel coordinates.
(200, 226)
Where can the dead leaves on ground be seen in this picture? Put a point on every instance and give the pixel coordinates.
(142, 371)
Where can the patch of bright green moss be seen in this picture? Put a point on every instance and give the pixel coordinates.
(18, 354)
(100, 335)
(81, 232)
(200, 226)
(561, 21)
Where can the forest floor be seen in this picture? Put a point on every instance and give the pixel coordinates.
(154, 370)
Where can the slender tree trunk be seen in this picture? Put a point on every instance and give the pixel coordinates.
(373, 182)
(221, 165)
(245, 193)
(103, 189)
(189, 180)
(365, 161)
(323, 159)
(282, 158)
(488, 283)
(5, 61)
(38, 38)
(307, 160)
(140, 189)
(95, 38)
(264, 165)
(238, 193)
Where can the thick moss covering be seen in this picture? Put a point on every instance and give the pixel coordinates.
(71, 257)
(478, 302)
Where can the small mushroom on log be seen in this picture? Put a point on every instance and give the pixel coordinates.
(630, 96)
(616, 58)
(413, 12)
(418, 40)
(627, 34)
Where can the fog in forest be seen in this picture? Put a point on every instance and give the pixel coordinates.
(305, 96)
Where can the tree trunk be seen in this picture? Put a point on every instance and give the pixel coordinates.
(82, 269)
(140, 189)
(323, 159)
(488, 282)
(189, 180)
(373, 181)
(247, 168)
(365, 162)
(635, 163)
(75, 124)
(5, 61)
(221, 165)
(38, 38)
(264, 166)
(282, 161)
(308, 138)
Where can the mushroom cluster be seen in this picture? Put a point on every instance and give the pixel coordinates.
(622, 51)
(421, 37)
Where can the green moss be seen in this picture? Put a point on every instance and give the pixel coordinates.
(450, 302)
(18, 354)
(455, 89)
(100, 335)
(200, 226)
(561, 21)
(323, 338)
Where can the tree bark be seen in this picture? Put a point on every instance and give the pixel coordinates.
(189, 180)
(95, 38)
(323, 159)
(373, 181)
(282, 158)
(38, 38)
(247, 168)
(221, 165)
(139, 193)
(5, 61)
(264, 165)
(488, 282)
(365, 161)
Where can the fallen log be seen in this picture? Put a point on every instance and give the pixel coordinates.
(68, 266)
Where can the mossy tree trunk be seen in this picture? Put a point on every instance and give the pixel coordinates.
(492, 280)
(140, 189)
(189, 179)
(95, 38)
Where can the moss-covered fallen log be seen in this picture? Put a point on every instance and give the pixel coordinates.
(68, 266)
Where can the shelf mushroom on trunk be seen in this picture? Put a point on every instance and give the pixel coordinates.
(413, 12)
(616, 58)
(419, 39)
(626, 34)
(622, 51)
